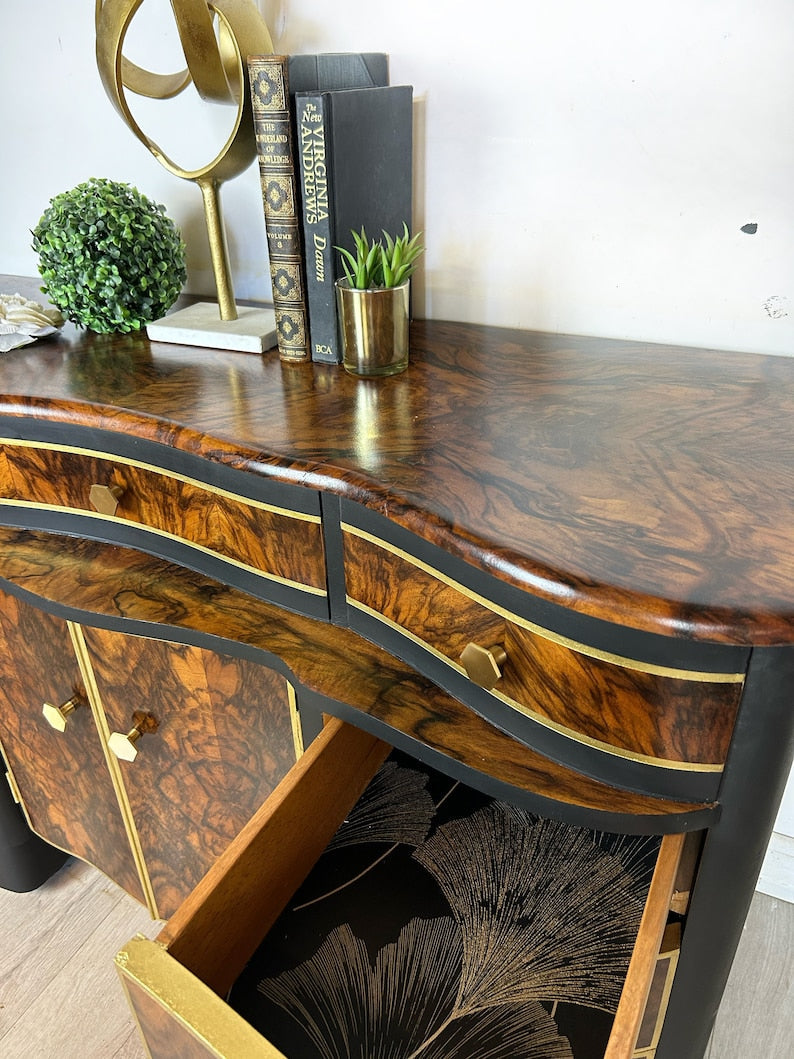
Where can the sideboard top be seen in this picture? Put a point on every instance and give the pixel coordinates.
(644, 484)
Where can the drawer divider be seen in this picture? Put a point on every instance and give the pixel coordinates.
(636, 987)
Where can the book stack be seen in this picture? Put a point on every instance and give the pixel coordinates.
(335, 146)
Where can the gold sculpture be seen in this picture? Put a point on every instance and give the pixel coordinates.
(216, 66)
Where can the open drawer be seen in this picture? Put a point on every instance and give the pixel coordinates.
(410, 908)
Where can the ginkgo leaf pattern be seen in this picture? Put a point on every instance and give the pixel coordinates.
(520, 914)
(395, 807)
(544, 912)
(404, 1006)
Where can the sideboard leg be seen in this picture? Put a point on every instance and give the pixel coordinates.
(752, 787)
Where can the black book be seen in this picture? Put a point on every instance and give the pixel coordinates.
(274, 80)
(355, 152)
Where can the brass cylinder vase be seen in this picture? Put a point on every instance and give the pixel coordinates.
(374, 328)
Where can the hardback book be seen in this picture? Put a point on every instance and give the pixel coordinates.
(274, 79)
(355, 152)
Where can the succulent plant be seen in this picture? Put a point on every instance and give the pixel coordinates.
(377, 265)
(111, 259)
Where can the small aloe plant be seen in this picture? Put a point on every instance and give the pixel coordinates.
(377, 265)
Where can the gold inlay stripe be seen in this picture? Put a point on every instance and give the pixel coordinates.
(295, 721)
(12, 783)
(128, 461)
(92, 691)
(539, 718)
(276, 578)
(547, 634)
(189, 1002)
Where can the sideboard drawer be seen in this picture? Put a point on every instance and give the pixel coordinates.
(336, 935)
(651, 713)
(252, 535)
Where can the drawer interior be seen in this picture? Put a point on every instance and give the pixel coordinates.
(414, 908)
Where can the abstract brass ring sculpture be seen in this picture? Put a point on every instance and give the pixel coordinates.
(216, 65)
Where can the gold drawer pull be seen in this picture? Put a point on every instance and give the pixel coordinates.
(57, 716)
(105, 498)
(125, 747)
(482, 663)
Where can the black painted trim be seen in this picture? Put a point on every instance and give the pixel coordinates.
(175, 550)
(602, 635)
(755, 777)
(315, 703)
(334, 559)
(613, 769)
(579, 816)
(205, 470)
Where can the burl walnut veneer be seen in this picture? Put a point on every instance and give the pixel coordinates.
(558, 569)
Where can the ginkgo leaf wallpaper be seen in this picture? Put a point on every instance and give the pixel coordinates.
(443, 924)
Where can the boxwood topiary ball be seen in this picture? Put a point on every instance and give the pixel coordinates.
(111, 260)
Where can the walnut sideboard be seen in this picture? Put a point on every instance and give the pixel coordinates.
(556, 570)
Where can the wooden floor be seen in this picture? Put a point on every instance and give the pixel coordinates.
(59, 995)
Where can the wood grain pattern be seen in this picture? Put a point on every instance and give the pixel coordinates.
(62, 776)
(647, 485)
(266, 540)
(645, 713)
(646, 951)
(222, 744)
(206, 1027)
(335, 662)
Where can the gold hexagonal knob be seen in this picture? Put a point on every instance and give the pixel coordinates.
(482, 663)
(58, 716)
(105, 498)
(124, 745)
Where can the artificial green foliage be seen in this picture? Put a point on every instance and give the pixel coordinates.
(376, 265)
(111, 260)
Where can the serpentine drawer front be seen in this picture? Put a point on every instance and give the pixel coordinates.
(354, 961)
(277, 544)
(658, 723)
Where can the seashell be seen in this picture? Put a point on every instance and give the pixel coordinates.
(21, 310)
(23, 321)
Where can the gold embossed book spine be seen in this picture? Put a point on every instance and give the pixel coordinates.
(269, 80)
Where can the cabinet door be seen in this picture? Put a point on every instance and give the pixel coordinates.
(223, 735)
(62, 776)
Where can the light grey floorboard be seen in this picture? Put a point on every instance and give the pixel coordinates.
(756, 1016)
(59, 994)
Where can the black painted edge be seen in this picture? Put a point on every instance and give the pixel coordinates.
(613, 769)
(204, 470)
(697, 819)
(131, 535)
(334, 559)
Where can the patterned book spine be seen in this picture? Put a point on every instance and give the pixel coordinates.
(269, 80)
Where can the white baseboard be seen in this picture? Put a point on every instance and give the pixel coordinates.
(777, 874)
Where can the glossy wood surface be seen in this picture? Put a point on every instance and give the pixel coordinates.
(336, 663)
(269, 541)
(222, 743)
(658, 716)
(652, 486)
(64, 782)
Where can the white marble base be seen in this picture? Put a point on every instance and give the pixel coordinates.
(253, 331)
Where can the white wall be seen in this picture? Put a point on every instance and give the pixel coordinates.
(580, 167)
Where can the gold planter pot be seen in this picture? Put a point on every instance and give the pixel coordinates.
(374, 327)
